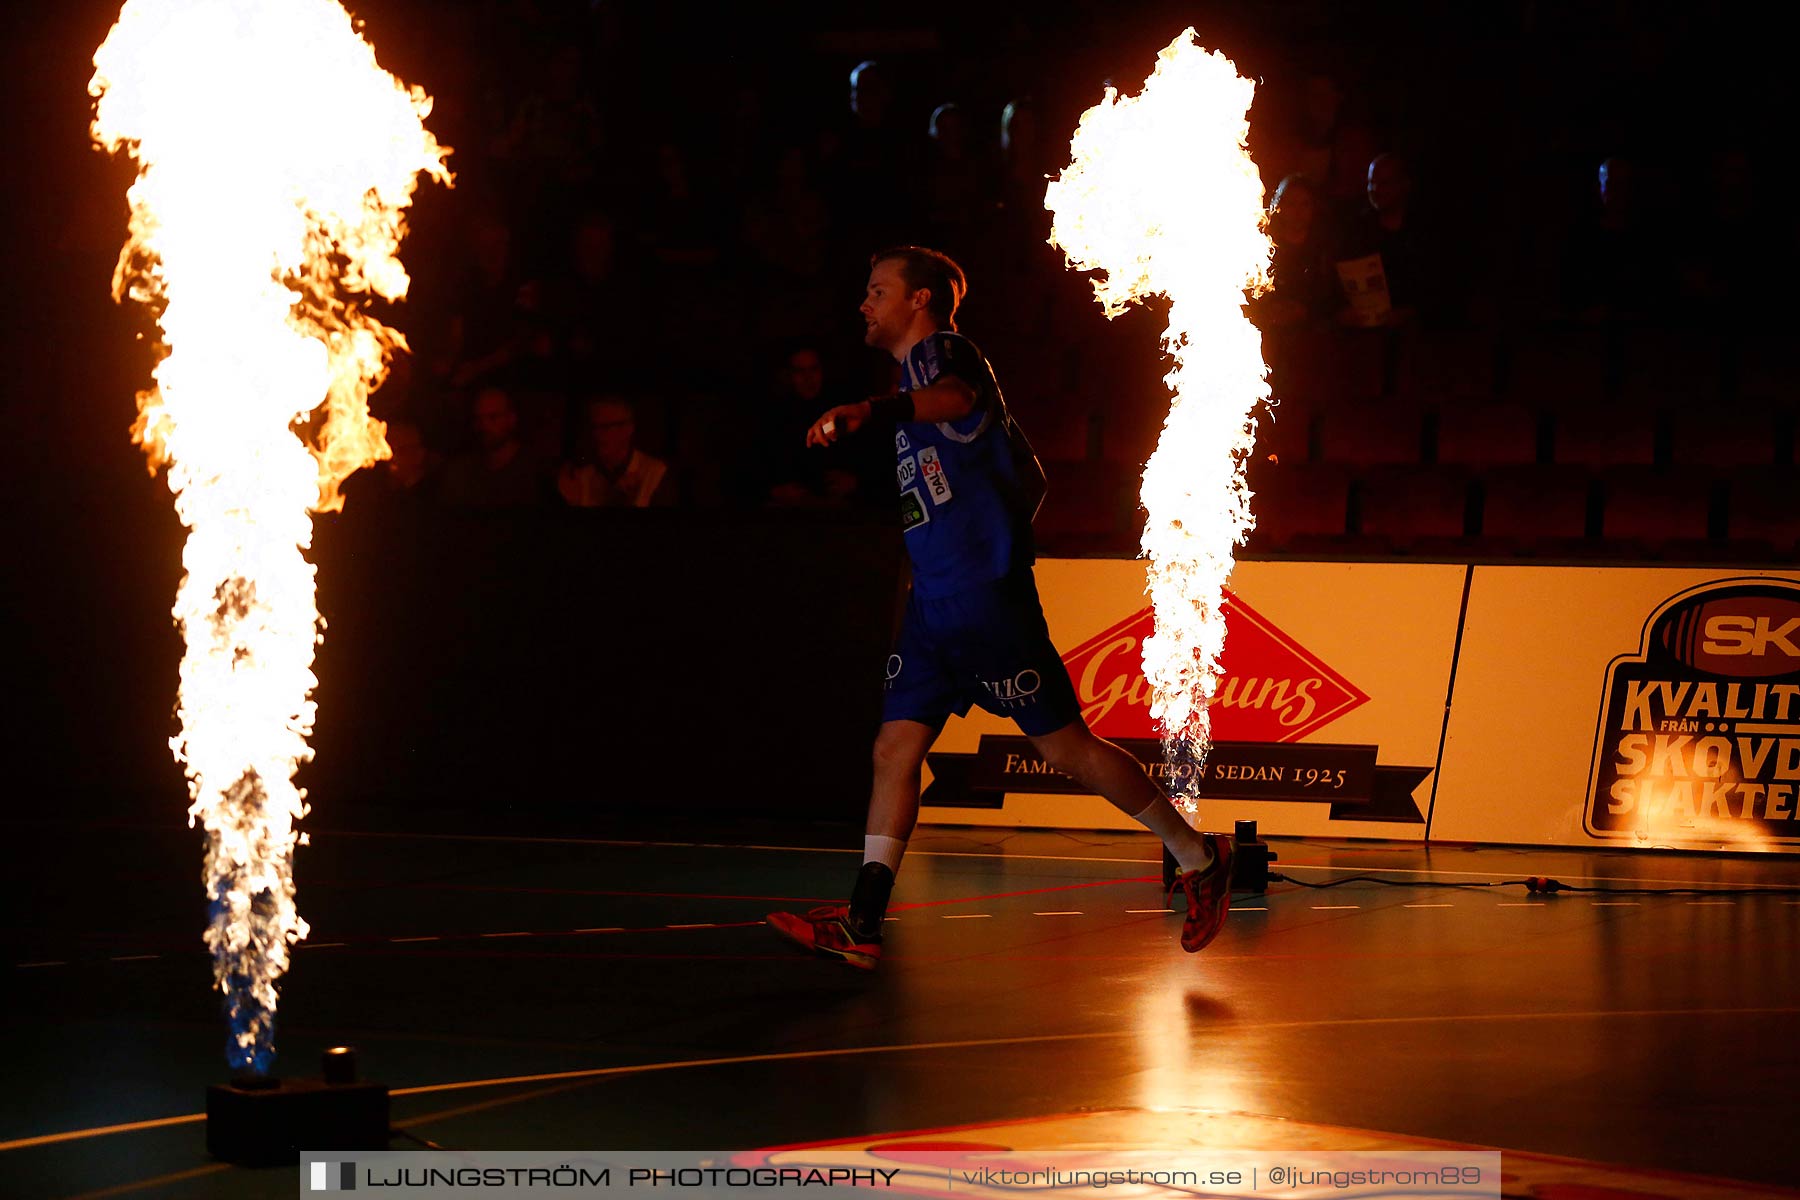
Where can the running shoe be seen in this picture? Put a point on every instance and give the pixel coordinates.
(1208, 893)
(827, 931)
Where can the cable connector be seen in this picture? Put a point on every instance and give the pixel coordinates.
(1543, 885)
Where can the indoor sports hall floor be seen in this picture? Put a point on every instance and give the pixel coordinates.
(559, 993)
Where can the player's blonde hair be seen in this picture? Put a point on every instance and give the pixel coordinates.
(932, 270)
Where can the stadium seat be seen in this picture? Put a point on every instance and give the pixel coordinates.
(1300, 366)
(1764, 371)
(1557, 368)
(1603, 436)
(1382, 432)
(1090, 508)
(1487, 434)
(1726, 438)
(1415, 507)
(1361, 363)
(1648, 512)
(1440, 366)
(1669, 367)
(1294, 500)
(1284, 431)
(1528, 510)
(1060, 425)
(1762, 519)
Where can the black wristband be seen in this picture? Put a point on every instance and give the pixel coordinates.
(895, 408)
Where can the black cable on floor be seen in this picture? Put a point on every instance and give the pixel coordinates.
(1542, 885)
(1419, 883)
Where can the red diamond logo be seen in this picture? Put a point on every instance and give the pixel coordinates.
(1273, 688)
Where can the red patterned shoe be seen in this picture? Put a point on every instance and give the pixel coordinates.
(1208, 895)
(827, 931)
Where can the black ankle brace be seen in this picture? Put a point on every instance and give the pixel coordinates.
(869, 899)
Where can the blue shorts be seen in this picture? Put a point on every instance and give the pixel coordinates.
(987, 645)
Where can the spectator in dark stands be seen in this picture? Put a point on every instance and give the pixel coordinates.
(1319, 139)
(1720, 272)
(1613, 265)
(404, 482)
(871, 160)
(784, 472)
(595, 314)
(748, 145)
(954, 178)
(411, 466)
(489, 329)
(681, 226)
(615, 473)
(679, 222)
(1024, 274)
(554, 136)
(786, 231)
(1023, 169)
(1386, 266)
(498, 474)
(1302, 273)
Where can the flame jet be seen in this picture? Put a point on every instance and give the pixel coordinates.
(275, 160)
(1161, 197)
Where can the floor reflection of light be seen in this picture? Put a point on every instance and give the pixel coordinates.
(1191, 1048)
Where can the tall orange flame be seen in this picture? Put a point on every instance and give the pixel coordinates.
(1163, 199)
(275, 162)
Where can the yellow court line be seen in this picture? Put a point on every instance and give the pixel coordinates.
(971, 1044)
(1352, 868)
(50, 1139)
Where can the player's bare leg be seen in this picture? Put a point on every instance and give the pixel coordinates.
(900, 749)
(853, 932)
(1204, 859)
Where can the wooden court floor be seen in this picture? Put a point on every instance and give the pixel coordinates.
(621, 993)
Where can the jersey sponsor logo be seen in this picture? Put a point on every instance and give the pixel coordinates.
(894, 663)
(935, 479)
(901, 445)
(907, 471)
(912, 509)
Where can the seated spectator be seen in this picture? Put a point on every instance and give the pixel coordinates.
(554, 136)
(402, 483)
(1721, 273)
(1304, 285)
(681, 226)
(489, 326)
(595, 314)
(783, 471)
(870, 162)
(499, 474)
(786, 230)
(1313, 133)
(680, 221)
(1386, 267)
(955, 183)
(1022, 170)
(745, 142)
(614, 473)
(1614, 266)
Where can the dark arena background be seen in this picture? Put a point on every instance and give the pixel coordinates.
(1521, 600)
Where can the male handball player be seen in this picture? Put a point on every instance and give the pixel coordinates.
(974, 630)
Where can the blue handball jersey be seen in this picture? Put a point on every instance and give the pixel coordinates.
(965, 512)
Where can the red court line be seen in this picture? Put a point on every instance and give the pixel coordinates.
(1067, 887)
(530, 891)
